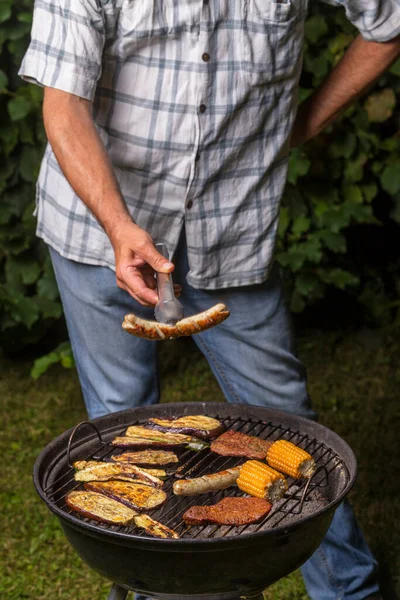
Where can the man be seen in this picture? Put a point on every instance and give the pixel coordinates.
(171, 122)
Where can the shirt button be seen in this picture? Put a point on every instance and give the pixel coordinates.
(205, 57)
(189, 204)
(203, 108)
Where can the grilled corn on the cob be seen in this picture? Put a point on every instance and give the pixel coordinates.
(290, 459)
(260, 480)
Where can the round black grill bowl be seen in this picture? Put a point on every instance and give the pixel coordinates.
(219, 567)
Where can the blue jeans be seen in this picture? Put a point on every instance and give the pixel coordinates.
(253, 357)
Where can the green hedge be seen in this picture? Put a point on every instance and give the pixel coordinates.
(332, 184)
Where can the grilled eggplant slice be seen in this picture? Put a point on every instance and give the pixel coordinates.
(134, 495)
(147, 457)
(87, 464)
(141, 437)
(155, 528)
(100, 508)
(199, 426)
(101, 471)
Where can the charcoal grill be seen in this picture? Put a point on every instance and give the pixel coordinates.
(214, 562)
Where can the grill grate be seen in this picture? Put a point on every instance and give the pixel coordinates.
(303, 498)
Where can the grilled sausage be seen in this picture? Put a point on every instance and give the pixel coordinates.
(206, 483)
(151, 330)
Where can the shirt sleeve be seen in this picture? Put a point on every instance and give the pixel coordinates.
(376, 20)
(66, 47)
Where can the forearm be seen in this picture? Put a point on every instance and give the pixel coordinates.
(361, 65)
(84, 161)
(82, 157)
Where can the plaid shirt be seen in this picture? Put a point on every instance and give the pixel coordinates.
(195, 101)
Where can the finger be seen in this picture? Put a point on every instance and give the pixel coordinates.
(136, 286)
(123, 287)
(150, 281)
(153, 258)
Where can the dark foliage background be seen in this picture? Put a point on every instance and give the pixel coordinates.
(339, 225)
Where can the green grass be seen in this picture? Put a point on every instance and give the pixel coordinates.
(354, 388)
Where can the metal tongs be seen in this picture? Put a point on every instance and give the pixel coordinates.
(168, 309)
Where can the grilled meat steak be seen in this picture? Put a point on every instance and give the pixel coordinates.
(206, 483)
(100, 508)
(102, 471)
(147, 457)
(229, 511)
(198, 425)
(234, 443)
(134, 495)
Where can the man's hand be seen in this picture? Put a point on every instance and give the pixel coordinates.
(136, 261)
(361, 65)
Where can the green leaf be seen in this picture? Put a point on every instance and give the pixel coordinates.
(339, 278)
(49, 309)
(30, 163)
(284, 221)
(354, 170)
(41, 365)
(27, 270)
(395, 211)
(297, 302)
(380, 105)
(298, 165)
(352, 193)
(25, 17)
(390, 179)
(391, 144)
(343, 145)
(9, 137)
(332, 240)
(3, 81)
(5, 11)
(369, 191)
(62, 354)
(340, 42)
(47, 286)
(18, 108)
(395, 68)
(25, 311)
(5, 214)
(306, 283)
(300, 225)
(315, 28)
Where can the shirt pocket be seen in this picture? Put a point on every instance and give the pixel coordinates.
(269, 10)
(273, 40)
(147, 18)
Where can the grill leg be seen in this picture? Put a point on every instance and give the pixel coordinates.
(117, 593)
